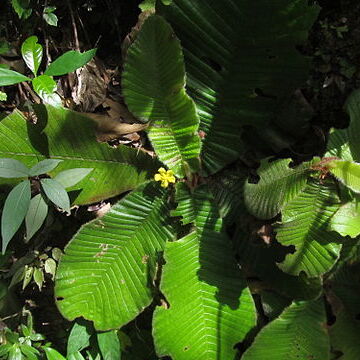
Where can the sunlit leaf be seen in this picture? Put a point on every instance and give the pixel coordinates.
(109, 345)
(346, 220)
(9, 77)
(45, 87)
(69, 62)
(347, 172)
(32, 53)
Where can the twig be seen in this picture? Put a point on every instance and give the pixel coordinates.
(76, 38)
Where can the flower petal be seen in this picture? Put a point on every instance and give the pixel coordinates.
(157, 177)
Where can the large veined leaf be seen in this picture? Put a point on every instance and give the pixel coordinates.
(107, 271)
(69, 136)
(278, 185)
(346, 220)
(298, 333)
(347, 172)
(241, 63)
(153, 87)
(343, 143)
(305, 222)
(210, 307)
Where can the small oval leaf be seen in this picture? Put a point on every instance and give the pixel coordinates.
(35, 216)
(45, 87)
(32, 53)
(14, 211)
(38, 277)
(9, 77)
(71, 177)
(44, 166)
(56, 193)
(69, 61)
(50, 267)
(12, 168)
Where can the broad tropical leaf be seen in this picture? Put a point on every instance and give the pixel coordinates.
(14, 211)
(241, 63)
(347, 172)
(65, 135)
(343, 143)
(299, 333)
(107, 271)
(305, 221)
(154, 90)
(210, 307)
(278, 185)
(346, 220)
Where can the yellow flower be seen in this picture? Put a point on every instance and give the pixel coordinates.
(165, 177)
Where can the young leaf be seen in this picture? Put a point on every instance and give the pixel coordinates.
(109, 345)
(69, 62)
(14, 211)
(299, 331)
(45, 87)
(347, 172)
(22, 8)
(3, 96)
(44, 166)
(38, 277)
(32, 53)
(278, 185)
(49, 15)
(115, 257)
(52, 354)
(35, 216)
(346, 220)
(154, 90)
(71, 177)
(50, 267)
(12, 168)
(9, 77)
(79, 337)
(28, 273)
(56, 193)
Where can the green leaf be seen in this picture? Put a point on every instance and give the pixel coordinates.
(107, 270)
(49, 15)
(9, 77)
(226, 67)
(12, 168)
(45, 87)
(71, 177)
(67, 135)
(44, 166)
(109, 345)
(305, 221)
(278, 185)
(56, 193)
(76, 356)
(147, 5)
(38, 277)
(203, 285)
(153, 87)
(14, 211)
(79, 337)
(347, 172)
(52, 354)
(32, 53)
(28, 274)
(22, 8)
(344, 335)
(3, 96)
(299, 333)
(69, 62)
(346, 220)
(35, 215)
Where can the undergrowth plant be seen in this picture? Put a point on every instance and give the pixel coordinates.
(260, 289)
